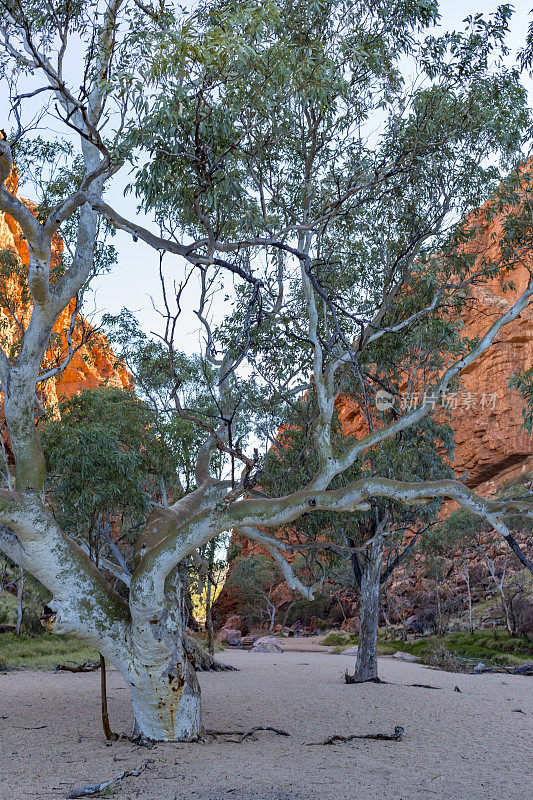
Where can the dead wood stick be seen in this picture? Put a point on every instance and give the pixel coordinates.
(87, 666)
(109, 735)
(87, 791)
(388, 737)
(423, 686)
(31, 728)
(244, 734)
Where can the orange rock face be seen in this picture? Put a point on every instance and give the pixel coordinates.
(93, 364)
(492, 447)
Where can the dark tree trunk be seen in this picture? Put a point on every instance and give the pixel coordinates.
(366, 668)
(209, 619)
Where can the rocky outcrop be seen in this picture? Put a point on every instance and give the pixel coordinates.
(93, 363)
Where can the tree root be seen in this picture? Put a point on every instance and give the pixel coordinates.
(352, 679)
(96, 788)
(139, 739)
(244, 734)
(87, 666)
(388, 737)
(201, 660)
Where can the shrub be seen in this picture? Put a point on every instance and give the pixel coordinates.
(333, 639)
(305, 610)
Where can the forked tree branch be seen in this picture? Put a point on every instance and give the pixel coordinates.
(147, 587)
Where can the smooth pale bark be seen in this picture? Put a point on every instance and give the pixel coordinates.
(150, 653)
(166, 699)
(164, 687)
(366, 667)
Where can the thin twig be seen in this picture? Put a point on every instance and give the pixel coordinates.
(96, 788)
(244, 734)
(388, 737)
(109, 735)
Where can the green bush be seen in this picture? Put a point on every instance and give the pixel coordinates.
(333, 639)
(491, 645)
(43, 652)
(305, 610)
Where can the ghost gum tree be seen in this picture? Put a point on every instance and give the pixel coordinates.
(281, 152)
(369, 545)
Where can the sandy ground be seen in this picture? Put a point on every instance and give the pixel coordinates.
(457, 746)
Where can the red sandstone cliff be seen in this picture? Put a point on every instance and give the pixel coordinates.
(492, 447)
(93, 364)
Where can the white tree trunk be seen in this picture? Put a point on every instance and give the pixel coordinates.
(163, 683)
(366, 667)
(466, 576)
(166, 700)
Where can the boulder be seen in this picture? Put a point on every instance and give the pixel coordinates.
(266, 648)
(481, 667)
(350, 651)
(399, 654)
(234, 623)
(229, 636)
(267, 644)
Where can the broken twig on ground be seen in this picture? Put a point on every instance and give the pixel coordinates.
(423, 686)
(87, 666)
(87, 791)
(244, 734)
(388, 737)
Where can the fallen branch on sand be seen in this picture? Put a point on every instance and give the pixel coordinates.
(388, 737)
(87, 666)
(244, 734)
(31, 728)
(87, 791)
(423, 686)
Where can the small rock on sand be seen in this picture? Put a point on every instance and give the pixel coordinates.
(399, 654)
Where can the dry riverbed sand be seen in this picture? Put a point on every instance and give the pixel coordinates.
(471, 745)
